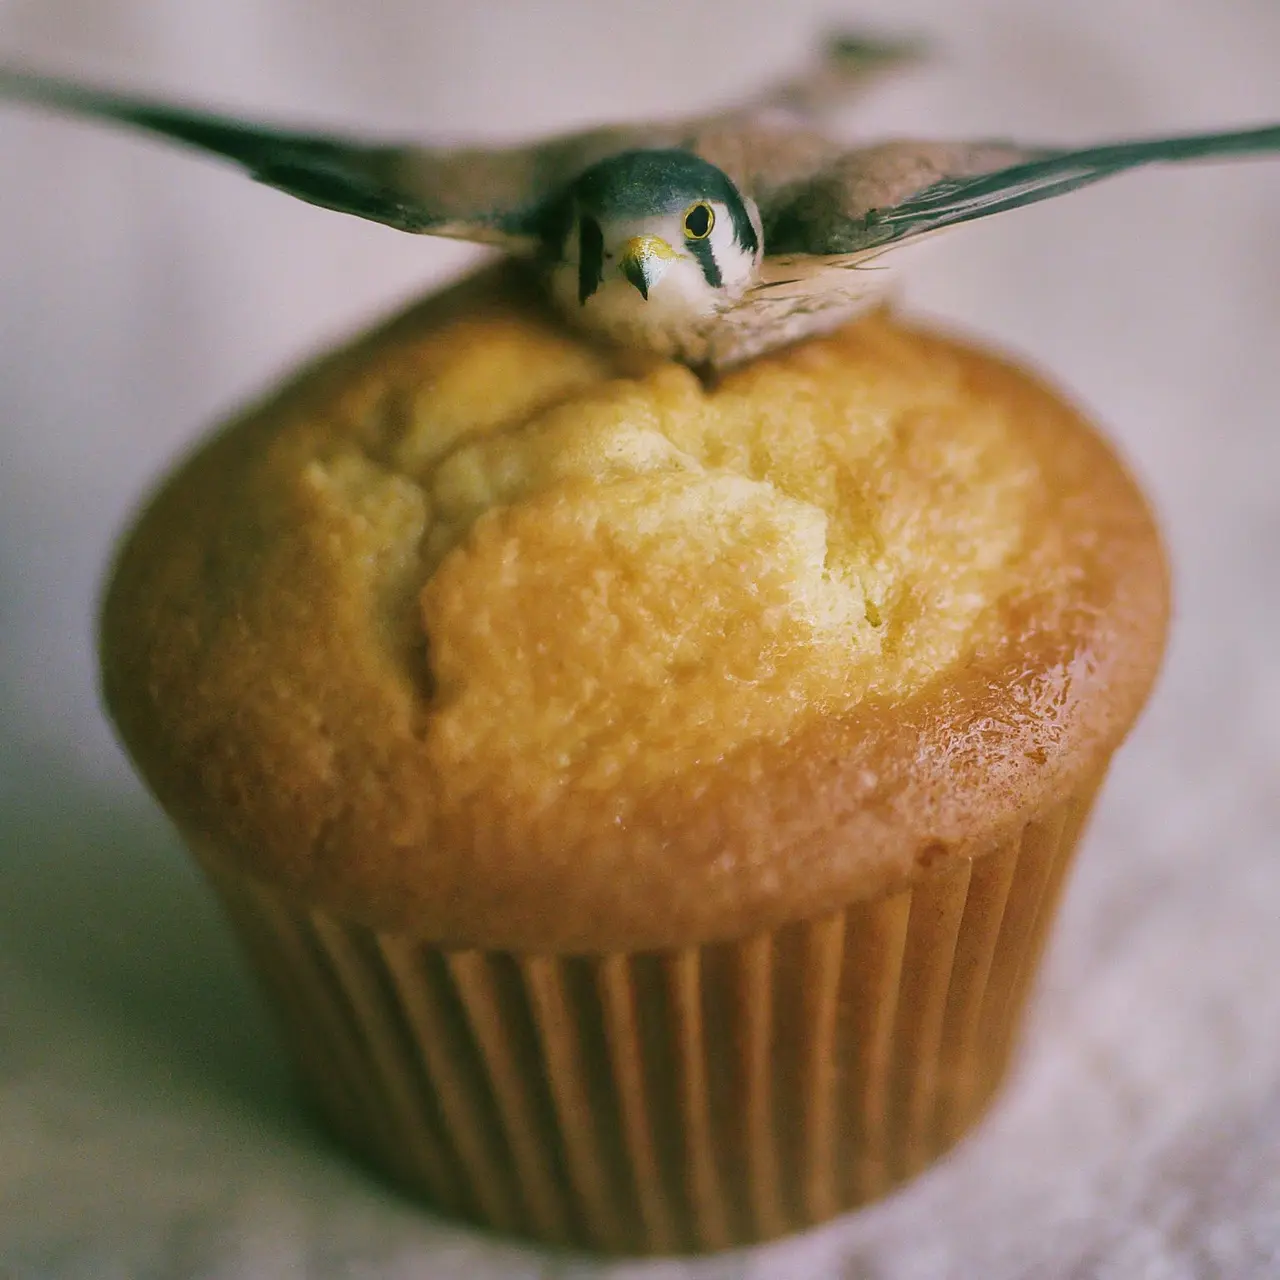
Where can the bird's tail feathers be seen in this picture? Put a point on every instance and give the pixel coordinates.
(849, 64)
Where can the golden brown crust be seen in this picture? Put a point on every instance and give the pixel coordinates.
(873, 603)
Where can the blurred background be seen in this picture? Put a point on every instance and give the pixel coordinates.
(146, 1126)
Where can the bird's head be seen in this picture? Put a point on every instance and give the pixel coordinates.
(656, 242)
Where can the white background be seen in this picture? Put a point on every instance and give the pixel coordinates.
(146, 1127)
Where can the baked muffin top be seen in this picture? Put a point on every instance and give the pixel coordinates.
(481, 631)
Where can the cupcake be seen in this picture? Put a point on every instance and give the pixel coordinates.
(644, 803)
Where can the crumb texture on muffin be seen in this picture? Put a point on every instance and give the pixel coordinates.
(480, 628)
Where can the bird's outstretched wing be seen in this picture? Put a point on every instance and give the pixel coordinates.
(878, 196)
(494, 196)
(499, 196)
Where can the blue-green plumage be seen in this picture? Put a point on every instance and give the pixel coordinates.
(590, 257)
(706, 259)
(641, 183)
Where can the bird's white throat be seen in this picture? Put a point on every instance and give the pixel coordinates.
(673, 320)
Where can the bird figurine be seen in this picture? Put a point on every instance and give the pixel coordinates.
(710, 239)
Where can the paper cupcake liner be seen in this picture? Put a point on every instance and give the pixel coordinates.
(670, 1101)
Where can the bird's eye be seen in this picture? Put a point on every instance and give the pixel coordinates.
(698, 221)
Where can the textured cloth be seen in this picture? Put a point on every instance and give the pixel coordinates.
(147, 1128)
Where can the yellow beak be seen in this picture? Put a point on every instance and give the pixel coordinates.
(644, 259)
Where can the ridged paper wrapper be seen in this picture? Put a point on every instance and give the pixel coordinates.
(668, 1101)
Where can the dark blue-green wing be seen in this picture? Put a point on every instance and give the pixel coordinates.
(880, 195)
(494, 196)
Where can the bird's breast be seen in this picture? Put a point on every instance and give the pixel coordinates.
(789, 300)
(673, 321)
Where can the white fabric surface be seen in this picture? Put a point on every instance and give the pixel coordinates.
(146, 1125)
